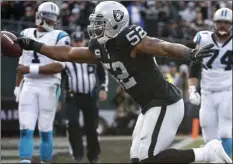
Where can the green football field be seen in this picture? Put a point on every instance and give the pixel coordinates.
(118, 151)
(114, 149)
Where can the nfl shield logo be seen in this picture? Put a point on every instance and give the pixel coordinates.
(118, 15)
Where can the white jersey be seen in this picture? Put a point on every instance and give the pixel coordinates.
(219, 75)
(55, 37)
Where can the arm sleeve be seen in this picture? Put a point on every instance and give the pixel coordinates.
(103, 77)
(195, 70)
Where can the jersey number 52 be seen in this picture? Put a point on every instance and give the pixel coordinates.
(121, 74)
(136, 35)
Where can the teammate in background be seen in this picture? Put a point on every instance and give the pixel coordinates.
(216, 82)
(128, 54)
(40, 85)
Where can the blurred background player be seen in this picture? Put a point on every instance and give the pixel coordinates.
(40, 85)
(81, 94)
(216, 82)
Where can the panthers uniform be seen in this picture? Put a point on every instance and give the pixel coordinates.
(216, 88)
(161, 103)
(40, 92)
(39, 95)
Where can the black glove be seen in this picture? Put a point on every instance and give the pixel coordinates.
(196, 56)
(29, 44)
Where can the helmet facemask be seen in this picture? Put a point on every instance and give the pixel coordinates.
(97, 27)
(46, 20)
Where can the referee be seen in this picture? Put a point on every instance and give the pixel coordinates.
(81, 95)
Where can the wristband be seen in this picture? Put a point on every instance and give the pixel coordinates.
(34, 69)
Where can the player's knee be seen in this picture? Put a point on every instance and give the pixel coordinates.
(45, 125)
(25, 126)
(225, 132)
(45, 128)
(26, 122)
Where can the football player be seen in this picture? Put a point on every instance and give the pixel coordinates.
(40, 85)
(216, 82)
(128, 54)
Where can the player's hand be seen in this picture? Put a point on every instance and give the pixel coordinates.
(29, 44)
(194, 96)
(197, 55)
(23, 69)
(16, 93)
(103, 95)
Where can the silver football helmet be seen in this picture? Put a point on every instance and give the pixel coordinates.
(223, 14)
(107, 21)
(47, 12)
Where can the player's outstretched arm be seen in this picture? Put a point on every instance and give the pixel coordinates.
(159, 47)
(51, 68)
(70, 54)
(59, 53)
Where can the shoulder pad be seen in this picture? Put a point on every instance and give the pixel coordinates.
(26, 31)
(61, 35)
(201, 35)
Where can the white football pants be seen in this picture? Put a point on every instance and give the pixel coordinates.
(216, 115)
(38, 102)
(156, 130)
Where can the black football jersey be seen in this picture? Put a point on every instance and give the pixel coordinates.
(140, 76)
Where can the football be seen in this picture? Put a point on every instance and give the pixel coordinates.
(8, 47)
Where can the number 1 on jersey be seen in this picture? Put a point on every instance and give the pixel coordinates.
(36, 58)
